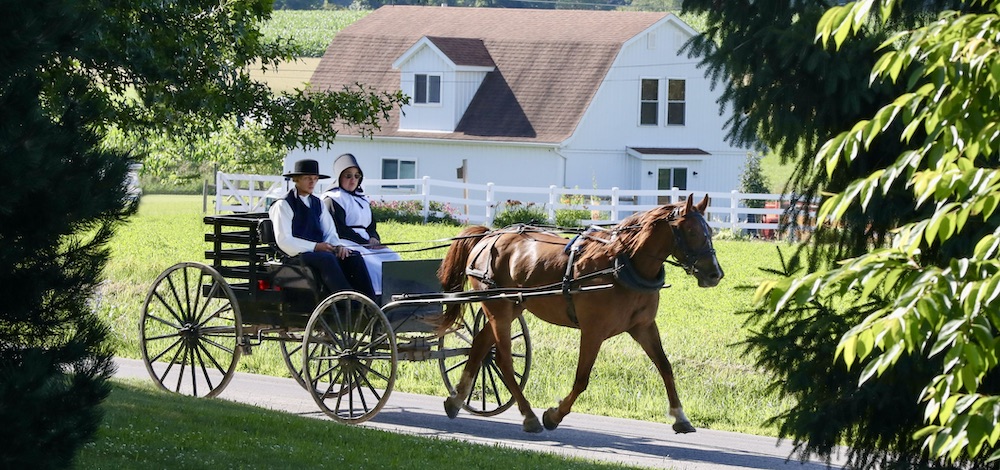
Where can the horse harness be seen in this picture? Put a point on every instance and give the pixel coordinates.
(621, 269)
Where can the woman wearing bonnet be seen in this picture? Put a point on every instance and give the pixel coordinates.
(352, 215)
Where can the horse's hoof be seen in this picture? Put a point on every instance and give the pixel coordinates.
(683, 427)
(451, 408)
(547, 419)
(532, 425)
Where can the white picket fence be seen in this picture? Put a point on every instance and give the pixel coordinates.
(480, 203)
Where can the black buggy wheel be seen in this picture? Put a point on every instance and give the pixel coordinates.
(291, 352)
(349, 357)
(489, 396)
(190, 330)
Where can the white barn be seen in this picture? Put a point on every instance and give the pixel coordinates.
(533, 98)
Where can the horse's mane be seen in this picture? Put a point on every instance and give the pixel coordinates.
(631, 233)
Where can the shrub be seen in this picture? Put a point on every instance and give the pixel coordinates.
(411, 212)
(571, 217)
(515, 212)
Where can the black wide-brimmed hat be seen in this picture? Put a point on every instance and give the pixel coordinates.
(306, 167)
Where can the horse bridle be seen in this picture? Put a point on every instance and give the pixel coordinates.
(690, 256)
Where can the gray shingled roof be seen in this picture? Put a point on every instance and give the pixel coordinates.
(464, 51)
(549, 63)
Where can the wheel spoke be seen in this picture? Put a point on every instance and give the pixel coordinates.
(172, 346)
(177, 299)
(201, 363)
(200, 316)
(187, 295)
(202, 348)
(169, 308)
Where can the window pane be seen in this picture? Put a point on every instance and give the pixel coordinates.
(675, 113)
(647, 113)
(675, 90)
(663, 180)
(390, 169)
(434, 91)
(650, 89)
(681, 178)
(407, 169)
(420, 88)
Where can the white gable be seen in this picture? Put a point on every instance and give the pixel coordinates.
(456, 84)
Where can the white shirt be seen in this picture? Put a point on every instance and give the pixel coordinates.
(281, 215)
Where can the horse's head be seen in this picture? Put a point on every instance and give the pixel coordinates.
(693, 243)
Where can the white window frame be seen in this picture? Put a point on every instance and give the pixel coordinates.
(682, 101)
(644, 102)
(398, 165)
(428, 89)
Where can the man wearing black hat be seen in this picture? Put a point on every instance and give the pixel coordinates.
(302, 228)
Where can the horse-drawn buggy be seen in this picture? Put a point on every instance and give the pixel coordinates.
(343, 348)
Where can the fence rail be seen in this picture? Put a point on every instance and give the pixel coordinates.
(480, 203)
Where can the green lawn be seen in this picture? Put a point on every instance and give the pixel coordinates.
(145, 429)
(720, 386)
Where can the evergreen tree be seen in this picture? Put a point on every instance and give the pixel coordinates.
(61, 200)
(71, 71)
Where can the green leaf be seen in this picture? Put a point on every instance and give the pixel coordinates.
(865, 344)
(947, 408)
(848, 347)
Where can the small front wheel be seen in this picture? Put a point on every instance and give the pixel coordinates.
(190, 330)
(349, 357)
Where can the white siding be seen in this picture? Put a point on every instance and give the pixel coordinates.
(532, 165)
(466, 86)
(439, 117)
(611, 124)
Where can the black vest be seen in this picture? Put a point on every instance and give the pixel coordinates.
(305, 221)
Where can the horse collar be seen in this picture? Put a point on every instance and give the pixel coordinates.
(626, 274)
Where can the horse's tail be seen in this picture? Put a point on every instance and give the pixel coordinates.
(452, 272)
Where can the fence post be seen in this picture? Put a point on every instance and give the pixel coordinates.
(614, 204)
(552, 203)
(218, 187)
(425, 191)
(490, 209)
(734, 202)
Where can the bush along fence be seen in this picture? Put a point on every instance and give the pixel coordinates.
(425, 199)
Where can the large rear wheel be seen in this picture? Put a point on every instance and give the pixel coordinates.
(190, 330)
(489, 396)
(349, 357)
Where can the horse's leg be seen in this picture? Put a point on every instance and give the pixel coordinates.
(648, 336)
(481, 345)
(590, 345)
(505, 361)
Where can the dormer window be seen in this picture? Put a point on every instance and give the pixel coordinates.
(426, 89)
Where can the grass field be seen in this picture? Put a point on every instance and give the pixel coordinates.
(719, 384)
(145, 429)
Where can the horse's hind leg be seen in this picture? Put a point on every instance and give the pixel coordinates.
(648, 336)
(590, 345)
(481, 345)
(505, 361)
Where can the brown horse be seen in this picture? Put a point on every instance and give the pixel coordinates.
(631, 256)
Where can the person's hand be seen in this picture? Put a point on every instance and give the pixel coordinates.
(375, 244)
(340, 251)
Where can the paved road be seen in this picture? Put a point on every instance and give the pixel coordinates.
(600, 438)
